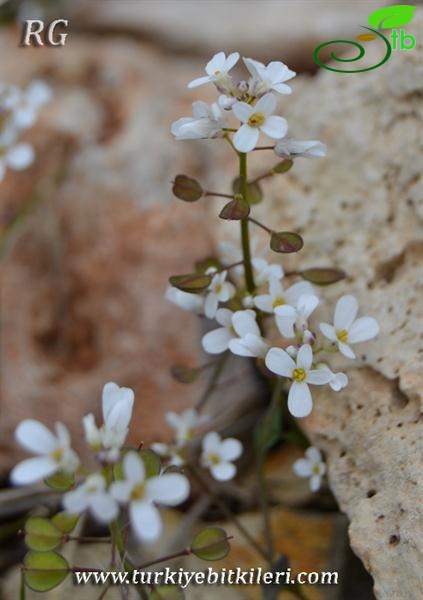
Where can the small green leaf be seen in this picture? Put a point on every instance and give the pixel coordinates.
(283, 166)
(193, 283)
(43, 571)
(211, 544)
(62, 482)
(187, 189)
(41, 534)
(184, 374)
(392, 16)
(65, 522)
(268, 431)
(167, 592)
(151, 462)
(255, 195)
(235, 210)
(323, 276)
(286, 242)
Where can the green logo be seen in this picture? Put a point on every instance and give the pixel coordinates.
(385, 18)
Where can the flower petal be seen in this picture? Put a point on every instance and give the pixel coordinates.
(223, 471)
(313, 454)
(224, 317)
(171, 489)
(33, 470)
(282, 88)
(363, 329)
(199, 81)
(246, 138)
(216, 341)
(285, 317)
(210, 305)
(264, 302)
(231, 60)
(305, 357)
(338, 381)
(230, 449)
(294, 292)
(278, 361)
(104, 507)
(216, 63)
(300, 402)
(133, 467)
(328, 331)
(302, 467)
(275, 127)
(315, 483)
(211, 442)
(35, 437)
(319, 376)
(266, 105)
(76, 501)
(306, 304)
(244, 321)
(345, 312)
(20, 157)
(346, 350)
(145, 520)
(121, 490)
(242, 111)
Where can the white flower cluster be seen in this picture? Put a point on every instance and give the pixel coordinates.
(18, 111)
(291, 307)
(102, 492)
(251, 102)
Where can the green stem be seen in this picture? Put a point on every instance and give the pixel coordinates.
(22, 589)
(245, 234)
(217, 371)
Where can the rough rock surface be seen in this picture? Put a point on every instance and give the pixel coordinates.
(361, 209)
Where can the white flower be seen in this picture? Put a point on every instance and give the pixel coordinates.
(174, 454)
(117, 405)
(265, 271)
(13, 155)
(289, 148)
(270, 77)
(312, 466)
(218, 455)
(219, 290)
(293, 320)
(217, 70)
(185, 423)
(206, 122)
(142, 494)
(338, 380)
(346, 328)
(239, 332)
(26, 105)
(92, 495)
(256, 119)
(278, 361)
(53, 452)
(186, 301)
(277, 296)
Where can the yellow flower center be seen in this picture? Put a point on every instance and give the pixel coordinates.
(279, 301)
(57, 454)
(256, 120)
(299, 375)
(342, 335)
(214, 458)
(218, 288)
(316, 470)
(217, 73)
(138, 492)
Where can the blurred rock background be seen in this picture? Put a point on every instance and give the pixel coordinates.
(90, 234)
